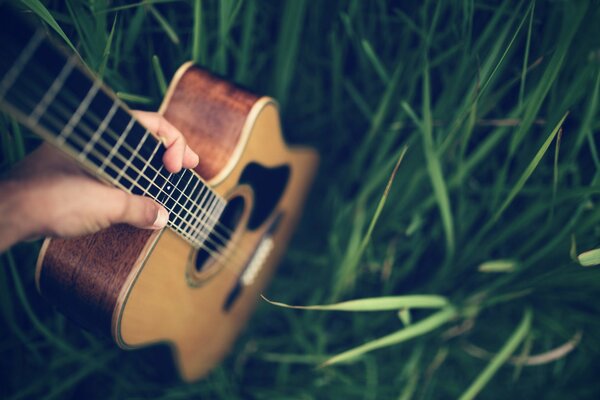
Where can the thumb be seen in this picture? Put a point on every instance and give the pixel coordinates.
(143, 212)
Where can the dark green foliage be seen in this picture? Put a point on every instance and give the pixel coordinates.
(477, 91)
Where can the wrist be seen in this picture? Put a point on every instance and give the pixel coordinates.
(15, 225)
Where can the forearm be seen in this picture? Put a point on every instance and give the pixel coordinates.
(14, 224)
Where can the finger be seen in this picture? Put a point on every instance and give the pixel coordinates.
(190, 158)
(178, 154)
(139, 211)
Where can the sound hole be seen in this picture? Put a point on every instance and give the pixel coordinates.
(220, 236)
(268, 185)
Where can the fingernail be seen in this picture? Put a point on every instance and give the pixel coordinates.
(161, 219)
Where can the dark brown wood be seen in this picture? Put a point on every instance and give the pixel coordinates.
(210, 113)
(84, 276)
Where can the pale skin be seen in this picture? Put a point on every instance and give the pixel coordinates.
(47, 194)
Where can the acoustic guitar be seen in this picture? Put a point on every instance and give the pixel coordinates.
(193, 284)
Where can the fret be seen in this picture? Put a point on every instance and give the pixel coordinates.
(178, 200)
(195, 210)
(139, 162)
(13, 73)
(130, 161)
(53, 90)
(169, 190)
(148, 161)
(115, 148)
(98, 132)
(182, 191)
(79, 112)
(162, 191)
(189, 203)
(155, 183)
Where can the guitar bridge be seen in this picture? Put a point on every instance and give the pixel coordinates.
(254, 266)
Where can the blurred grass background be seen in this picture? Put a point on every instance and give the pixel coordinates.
(494, 200)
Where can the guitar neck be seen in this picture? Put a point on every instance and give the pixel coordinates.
(47, 89)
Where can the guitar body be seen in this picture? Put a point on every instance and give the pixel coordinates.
(148, 287)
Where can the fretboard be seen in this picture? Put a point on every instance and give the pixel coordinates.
(49, 91)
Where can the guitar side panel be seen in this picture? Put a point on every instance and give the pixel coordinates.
(84, 276)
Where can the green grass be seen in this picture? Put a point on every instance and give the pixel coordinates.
(478, 238)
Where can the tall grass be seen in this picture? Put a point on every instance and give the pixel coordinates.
(486, 211)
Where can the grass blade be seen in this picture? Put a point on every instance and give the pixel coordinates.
(377, 303)
(106, 52)
(434, 167)
(41, 11)
(589, 258)
(159, 74)
(375, 61)
(347, 270)
(287, 47)
(571, 22)
(135, 98)
(507, 350)
(498, 266)
(416, 329)
(198, 41)
(164, 24)
(529, 170)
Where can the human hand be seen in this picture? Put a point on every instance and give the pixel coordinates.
(48, 194)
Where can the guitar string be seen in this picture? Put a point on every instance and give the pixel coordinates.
(182, 205)
(223, 256)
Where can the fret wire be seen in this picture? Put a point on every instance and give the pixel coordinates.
(134, 153)
(165, 183)
(183, 190)
(79, 112)
(112, 152)
(186, 185)
(101, 128)
(175, 185)
(188, 200)
(158, 144)
(193, 206)
(53, 90)
(13, 73)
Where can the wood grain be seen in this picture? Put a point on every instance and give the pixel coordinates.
(84, 276)
(210, 112)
